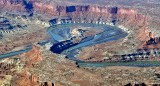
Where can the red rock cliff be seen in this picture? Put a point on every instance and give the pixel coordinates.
(34, 56)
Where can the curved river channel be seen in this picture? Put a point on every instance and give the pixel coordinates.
(65, 46)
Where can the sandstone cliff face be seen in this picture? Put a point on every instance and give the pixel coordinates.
(88, 13)
(45, 8)
(127, 17)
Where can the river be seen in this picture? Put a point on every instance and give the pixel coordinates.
(110, 33)
(14, 53)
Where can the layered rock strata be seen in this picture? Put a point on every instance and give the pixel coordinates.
(135, 24)
(81, 14)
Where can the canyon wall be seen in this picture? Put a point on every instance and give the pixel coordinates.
(90, 13)
(127, 17)
(135, 23)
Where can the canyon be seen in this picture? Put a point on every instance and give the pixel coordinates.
(31, 20)
(119, 16)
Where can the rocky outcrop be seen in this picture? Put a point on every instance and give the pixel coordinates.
(47, 9)
(127, 17)
(79, 13)
(34, 56)
(88, 13)
(7, 69)
(26, 79)
(135, 23)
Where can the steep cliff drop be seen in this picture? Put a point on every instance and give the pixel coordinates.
(42, 65)
(135, 23)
